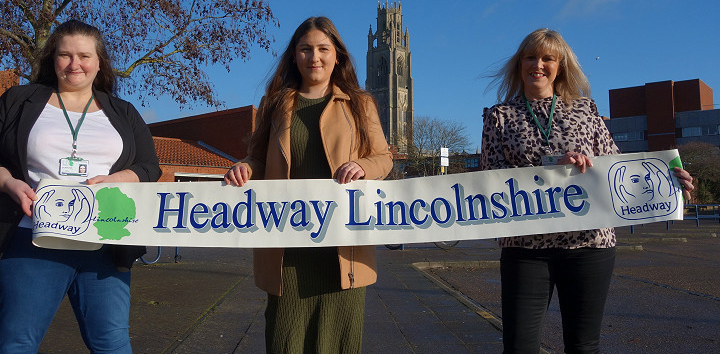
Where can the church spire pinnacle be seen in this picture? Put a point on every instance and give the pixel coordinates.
(389, 77)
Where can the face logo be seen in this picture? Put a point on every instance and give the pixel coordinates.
(642, 189)
(64, 209)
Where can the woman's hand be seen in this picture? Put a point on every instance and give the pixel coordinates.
(348, 172)
(237, 175)
(685, 181)
(575, 158)
(20, 192)
(117, 177)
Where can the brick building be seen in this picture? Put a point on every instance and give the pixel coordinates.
(663, 115)
(228, 131)
(187, 160)
(202, 147)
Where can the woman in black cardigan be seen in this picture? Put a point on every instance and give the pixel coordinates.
(68, 115)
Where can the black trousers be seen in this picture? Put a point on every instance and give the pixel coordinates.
(529, 276)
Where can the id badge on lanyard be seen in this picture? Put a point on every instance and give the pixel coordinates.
(549, 160)
(74, 165)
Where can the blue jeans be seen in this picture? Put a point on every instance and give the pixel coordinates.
(33, 283)
(582, 278)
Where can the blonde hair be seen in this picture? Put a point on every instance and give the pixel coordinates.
(570, 83)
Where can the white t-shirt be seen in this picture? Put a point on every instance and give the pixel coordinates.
(51, 140)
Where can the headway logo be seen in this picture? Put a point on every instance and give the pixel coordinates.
(64, 210)
(642, 189)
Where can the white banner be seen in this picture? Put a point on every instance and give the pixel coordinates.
(619, 190)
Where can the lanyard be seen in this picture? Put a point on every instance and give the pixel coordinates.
(543, 130)
(76, 129)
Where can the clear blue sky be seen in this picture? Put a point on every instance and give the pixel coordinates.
(456, 44)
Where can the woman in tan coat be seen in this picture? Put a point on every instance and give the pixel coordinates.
(315, 122)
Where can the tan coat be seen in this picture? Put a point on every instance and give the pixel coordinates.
(272, 161)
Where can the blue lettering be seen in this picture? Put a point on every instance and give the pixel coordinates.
(272, 213)
(458, 201)
(471, 206)
(299, 211)
(551, 197)
(512, 184)
(200, 209)
(220, 220)
(578, 191)
(498, 205)
(378, 208)
(413, 213)
(353, 205)
(379, 213)
(244, 206)
(448, 210)
(392, 212)
(165, 208)
(322, 216)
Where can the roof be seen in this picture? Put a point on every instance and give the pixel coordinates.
(172, 151)
(239, 111)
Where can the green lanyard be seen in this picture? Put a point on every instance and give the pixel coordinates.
(545, 131)
(76, 129)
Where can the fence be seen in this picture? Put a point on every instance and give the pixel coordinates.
(695, 212)
(702, 211)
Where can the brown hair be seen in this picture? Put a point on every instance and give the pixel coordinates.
(104, 81)
(570, 82)
(286, 81)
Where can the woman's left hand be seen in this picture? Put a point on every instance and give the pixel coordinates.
(117, 177)
(575, 158)
(685, 180)
(348, 172)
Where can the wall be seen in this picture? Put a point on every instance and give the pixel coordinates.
(658, 104)
(170, 172)
(228, 131)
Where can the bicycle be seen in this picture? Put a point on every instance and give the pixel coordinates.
(446, 245)
(178, 257)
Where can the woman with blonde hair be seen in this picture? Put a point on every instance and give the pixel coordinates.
(315, 122)
(546, 118)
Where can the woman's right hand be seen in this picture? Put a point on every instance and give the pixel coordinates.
(575, 158)
(237, 175)
(20, 192)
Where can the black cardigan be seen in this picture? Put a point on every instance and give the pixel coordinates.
(20, 107)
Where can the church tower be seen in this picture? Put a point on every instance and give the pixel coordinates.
(388, 75)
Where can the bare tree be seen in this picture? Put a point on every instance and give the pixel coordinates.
(702, 161)
(159, 47)
(430, 134)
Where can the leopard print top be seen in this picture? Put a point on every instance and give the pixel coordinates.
(511, 139)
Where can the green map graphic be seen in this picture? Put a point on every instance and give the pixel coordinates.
(115, 211)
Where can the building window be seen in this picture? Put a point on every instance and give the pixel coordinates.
(692, 131)
(710, 130)
(629, 136)
(473, 162)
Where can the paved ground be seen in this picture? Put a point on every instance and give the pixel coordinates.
(665, 298)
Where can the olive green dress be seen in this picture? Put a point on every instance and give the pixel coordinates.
(313, 315)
